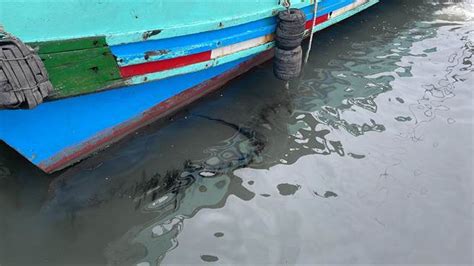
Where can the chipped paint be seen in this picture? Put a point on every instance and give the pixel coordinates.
(200, 65)
(147, 34)
(234, 48)
(155, 53)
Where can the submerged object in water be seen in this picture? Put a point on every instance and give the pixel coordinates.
(129, 64)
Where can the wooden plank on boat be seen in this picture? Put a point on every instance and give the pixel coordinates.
(79, 66)
(68, 45)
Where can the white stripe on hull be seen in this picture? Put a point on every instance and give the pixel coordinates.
(343, 10)
(237, 47)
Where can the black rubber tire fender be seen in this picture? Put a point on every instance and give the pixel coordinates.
(287, 45)
(287, 64)
(294, 53)
(292, 26)
(289, 35)
(286, 75)
(288, 41)
(292, 15)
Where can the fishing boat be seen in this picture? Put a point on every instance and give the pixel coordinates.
(76, 76)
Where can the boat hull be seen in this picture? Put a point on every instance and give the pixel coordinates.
(59, 133)
(161, 110)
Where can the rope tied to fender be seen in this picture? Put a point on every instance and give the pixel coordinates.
(313, 25)
(286, 4)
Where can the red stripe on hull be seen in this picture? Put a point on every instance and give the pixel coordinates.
(146, 68)
(319, 20)
(156, 66)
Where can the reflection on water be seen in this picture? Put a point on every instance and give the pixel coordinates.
(240, 178)
(211, 181)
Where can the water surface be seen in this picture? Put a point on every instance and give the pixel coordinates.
(366, 159)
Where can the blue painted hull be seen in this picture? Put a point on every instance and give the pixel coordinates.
(59, 133)
(43, 134)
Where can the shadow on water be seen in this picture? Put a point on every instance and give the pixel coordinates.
(137, 194)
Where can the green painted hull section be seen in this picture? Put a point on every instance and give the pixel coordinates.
(69, 45)
(79, 66)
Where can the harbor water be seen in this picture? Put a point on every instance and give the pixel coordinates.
(366, 159)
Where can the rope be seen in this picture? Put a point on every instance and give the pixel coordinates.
(36, 87)
(16, 59)
(286, 4)
(315, 10)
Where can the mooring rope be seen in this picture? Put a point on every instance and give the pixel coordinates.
(315, 11)
(286, 4)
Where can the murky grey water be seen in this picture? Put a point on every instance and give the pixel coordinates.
(368, 159)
